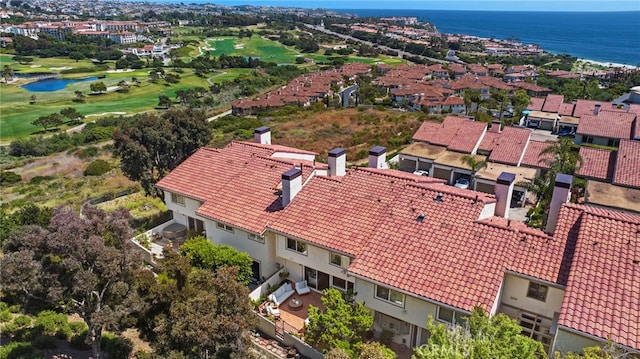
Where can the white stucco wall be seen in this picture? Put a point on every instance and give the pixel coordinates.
(317, 258)
(567, 341)
(415, 311)
(181, 212)
(514, 293)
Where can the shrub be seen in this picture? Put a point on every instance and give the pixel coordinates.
(78, 341)
(90, 151)
(97, 168)
(19, 350)
(9, 177)
(386, 337)
(22, 321)
(5, 316)
(78, 328)
(52, 323)
(40, 179)
(4, 306)
(116, 346)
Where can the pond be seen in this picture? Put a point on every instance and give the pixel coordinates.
(50, 85)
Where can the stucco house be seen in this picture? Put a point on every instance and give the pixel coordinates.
(411, 247)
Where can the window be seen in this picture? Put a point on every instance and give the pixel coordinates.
(339, 260)
(224, 227)
(297, 246)
(450, 316)
(390, 295)
(588, 139)
(255, 237)
(176, 198)
(537, 291)
(392, 324)
(613, 142)
(196, 225)
(342, 284)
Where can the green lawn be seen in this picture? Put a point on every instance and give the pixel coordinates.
(17, 113)
(255, 46)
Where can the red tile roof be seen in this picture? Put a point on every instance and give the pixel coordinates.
(510, 146)
(489, 141)
(532, 155)
(602, 297)
(627, 172)
(609, 124)
(536, 104)
(552, 103)
(596, 163)
(237, 184)
(456, 133)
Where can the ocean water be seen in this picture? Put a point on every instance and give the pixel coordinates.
(610, 37)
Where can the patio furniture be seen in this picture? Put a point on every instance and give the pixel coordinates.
(281, 294)
(295, 303)
(273, 310)
(175, 231)
(302, 288)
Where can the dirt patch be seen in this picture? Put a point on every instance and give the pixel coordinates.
(60, 163)
(356, 130)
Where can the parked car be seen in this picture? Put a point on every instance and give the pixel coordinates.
(421, 173)
(566, 133)
(462, 182)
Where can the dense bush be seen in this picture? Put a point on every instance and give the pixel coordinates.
(116, 346)
(44, 342)
(97, 168)
(8, 177)
(5, 316)
(53, 324)
(19, 350)
(40, 179)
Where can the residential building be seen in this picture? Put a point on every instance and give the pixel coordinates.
(412, 247)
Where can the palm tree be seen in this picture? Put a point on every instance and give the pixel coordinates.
(475, 165)
(565, 158)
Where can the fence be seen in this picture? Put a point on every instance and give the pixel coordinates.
(263, 289)
(270, 329)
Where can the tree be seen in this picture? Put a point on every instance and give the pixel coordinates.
(206, 255)
(480, 338)
(339, 325)
(71, 113)
(30, 214)
(500, 96)
(7, 73)
(471, 97)
(520, 100)
(151, 146)
(79, 96)
(164, 101)
(76, 55)
(98, 87)
(32, 99)
(195, 312)
(82, 265)
(475, 165)
(48, 121)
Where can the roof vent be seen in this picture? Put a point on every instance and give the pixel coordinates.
(420, 217)
(438, 197)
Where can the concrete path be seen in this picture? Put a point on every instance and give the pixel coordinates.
(226, 113)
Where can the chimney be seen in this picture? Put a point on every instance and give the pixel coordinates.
(561, 195)
(262, 135)
(337, 162)
(503, 191)
(291, 185)
(495, 126)
(378, 157)
(596, 109)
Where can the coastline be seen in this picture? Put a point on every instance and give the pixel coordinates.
(608, 64)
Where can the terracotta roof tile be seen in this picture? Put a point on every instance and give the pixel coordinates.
(602, 297)
(627, 172)
(597, 163)
(456, 133)
(489, 141)
(510, 146)
(552, 103)
(536, 104)
(532, 156)
(610, 124)
(237, 184)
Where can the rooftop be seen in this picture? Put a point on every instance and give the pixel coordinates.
(627, 172)
(597, 163)
(610, 124)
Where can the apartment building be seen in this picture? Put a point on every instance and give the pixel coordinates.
(411, 247)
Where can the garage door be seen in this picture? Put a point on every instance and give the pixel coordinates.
(442, 173)
(484, 187)
(407, 165)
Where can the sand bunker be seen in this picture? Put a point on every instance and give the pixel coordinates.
(61, 68)
(106, 113)
(119, 70)
(238, 47)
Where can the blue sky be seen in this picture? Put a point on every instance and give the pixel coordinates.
(505, 5)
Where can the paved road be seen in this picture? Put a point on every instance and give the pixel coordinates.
(384, 48)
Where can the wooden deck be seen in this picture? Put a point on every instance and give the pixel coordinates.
(295, 318)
